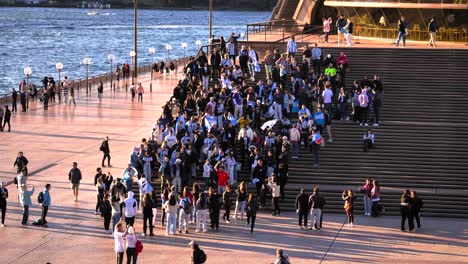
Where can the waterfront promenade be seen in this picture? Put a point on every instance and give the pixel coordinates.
(53, 140)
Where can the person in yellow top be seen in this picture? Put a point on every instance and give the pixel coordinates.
(245, 120)
(330, 70)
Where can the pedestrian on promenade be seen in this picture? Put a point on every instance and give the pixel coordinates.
(25, 201)
(171, 208)
(348, 197)
(71, 97)
(416, 205)
(406, 212)
(281, 257)
(214, 208)
(2, 113)
(147, 169)
(3, 201)
(241, 199)
(165, 170)
(316, 203)
(140, 90)
(302, 208)
(133, 91)
(185, 206)
(100, 91)
(119, 245)
(251, 212)
(375, 197)
(128, 174)
(6, 119)
(349, 32)
(23, 98)
(106, 212)
(74, 177)
(340, 24)
(106, 152)
(164, 199)
(201, 206)
(116, 212)
(291, 47)
(432, 28)
(198, 255)
(131, 239)
(14, 98)
(21, 163)
(147, 208)
(275, 194)
(45, 98)
(326, 27)
(130, 206)
(227, 204)
(402, 31)
(100, 191)
(367, 201)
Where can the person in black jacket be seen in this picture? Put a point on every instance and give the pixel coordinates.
(251, 212)
(106, 152)
(416, 205)
(21, 163)
(302, 208)
(259, 173)
(406, 212)
(198, 255)
(74, 177)
(214, 208)
(6, 119)
(215, 61)
(227, 203)
(3, 202)
(147, 205)
(432, 28)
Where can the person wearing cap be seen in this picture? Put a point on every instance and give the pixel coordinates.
(3, 201)
(25, 201)
(74, 177)
(198, 255)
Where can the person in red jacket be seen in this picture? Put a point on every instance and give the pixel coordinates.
(223, 177)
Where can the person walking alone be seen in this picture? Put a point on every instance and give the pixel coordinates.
(106, 152)
(6, 119)
(74, 177)
(100, 91)
(402, 31)
(3, 201)
(432, 28)
(251, 212)
(302, 208)
(275, 195)
(348, 197)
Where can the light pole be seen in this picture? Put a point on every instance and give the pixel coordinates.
(198, 43)
(111, 58)
(151, 52)
(87, 62)
(59, 67)
(133, 56)
(168, 48)
(27, 71)
(211, 22)
(184, 46)
(135, 40)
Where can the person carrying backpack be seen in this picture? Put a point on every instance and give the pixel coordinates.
(45, 204)
(185, 209)
(198, 255)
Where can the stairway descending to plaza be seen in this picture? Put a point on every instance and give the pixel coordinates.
(422, 143)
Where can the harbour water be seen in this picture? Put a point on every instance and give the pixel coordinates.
(41, 37)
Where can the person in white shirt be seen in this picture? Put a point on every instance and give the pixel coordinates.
(170, 139)
(207, 169)
(130, 209)
(119, 244)
(248, 131)
(275, 194)
(145, 187)
(363, 106)
(131, 245)
(327, 95)
(292, 47)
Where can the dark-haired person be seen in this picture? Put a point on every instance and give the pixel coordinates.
(201, 206)
(106, 212)
(21, 163)
(214, 208)
(348, 197)
(405, 210)
(147, 208)
(106, 152)
(375, 197)
(251, 212)
(432, 28)
(74, 177)
(3, 201)
(46, 202)
(275, 195)
(416, 205)
(302, 208)
(316, 203)
(366, 192)
(171, 208)
(368, 140)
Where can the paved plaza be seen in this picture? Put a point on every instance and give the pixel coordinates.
(65, 134)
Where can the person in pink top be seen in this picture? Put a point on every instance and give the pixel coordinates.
(363, 107)
(326, 27)
(140, 92)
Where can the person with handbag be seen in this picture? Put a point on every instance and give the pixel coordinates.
(348, 197)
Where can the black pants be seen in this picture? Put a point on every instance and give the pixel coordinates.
(375, 209)
(45, 209)
(214, 218)
(251, 221)
(106, 155)
(3, 208)
(314, 148)
(98, 202)
(406, 214)
(316, 64)
(13, 106)
(148, 218)
(275, 204)
(140, 97)
(163, 216)
(130, 221)
(107, 221)
(120, 256)
(416, 213)
(131, 255)
(363, 115)
(303, 215)
(282, 190)
(376, 113)
(4, 124)
(23, 105)
(227, 213)
(350, 214)
(367, 144)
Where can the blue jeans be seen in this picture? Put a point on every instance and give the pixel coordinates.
(115, 220)
(25, 214)
(401, 36)
(367, 204)
(343, 110)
